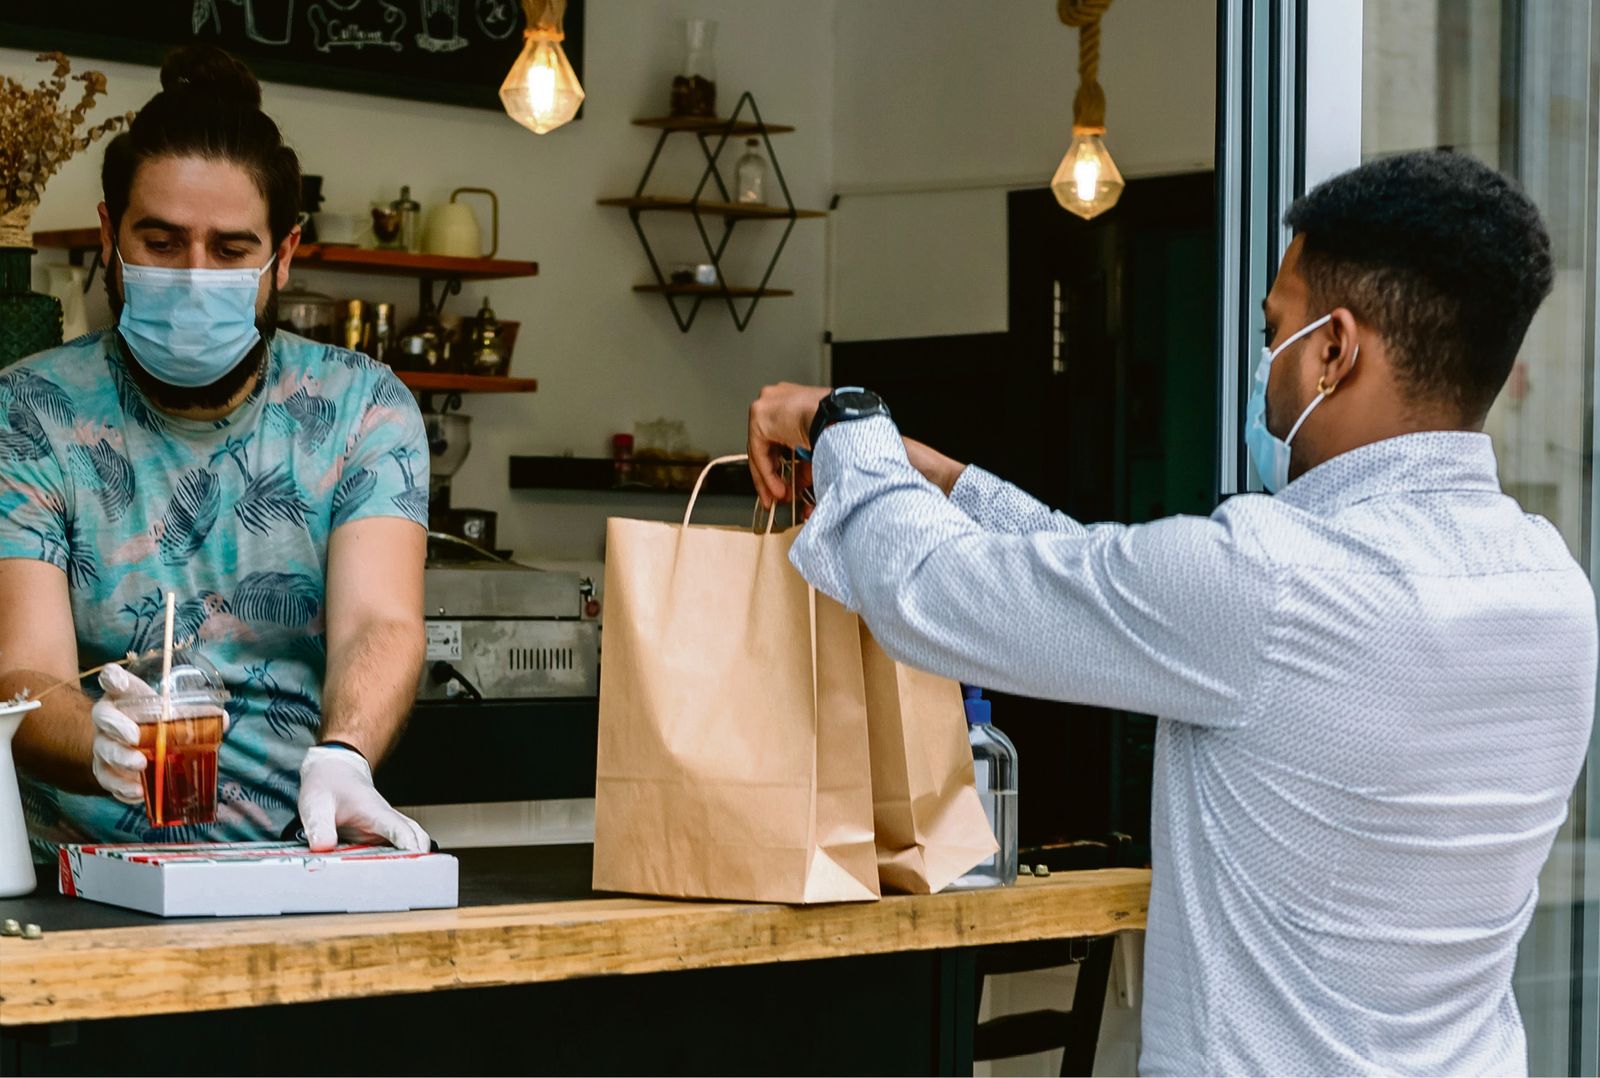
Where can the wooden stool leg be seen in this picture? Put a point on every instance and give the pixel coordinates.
(1088, 1003)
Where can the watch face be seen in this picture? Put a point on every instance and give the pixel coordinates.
(855, 400)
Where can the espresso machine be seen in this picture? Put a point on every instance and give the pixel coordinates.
(496, 629)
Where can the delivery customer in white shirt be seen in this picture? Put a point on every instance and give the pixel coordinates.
(1376, 687)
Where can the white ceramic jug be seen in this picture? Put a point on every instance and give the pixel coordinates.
(452, 227)
(16, 863)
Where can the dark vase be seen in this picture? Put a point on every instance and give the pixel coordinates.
(29, 321)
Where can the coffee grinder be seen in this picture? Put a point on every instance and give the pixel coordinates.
(449, 440)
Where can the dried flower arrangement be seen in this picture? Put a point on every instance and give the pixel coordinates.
(39, 134)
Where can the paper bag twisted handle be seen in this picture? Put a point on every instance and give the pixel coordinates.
(737, 458)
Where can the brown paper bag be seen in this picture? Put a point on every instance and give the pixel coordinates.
(733, 731)
(930, 825)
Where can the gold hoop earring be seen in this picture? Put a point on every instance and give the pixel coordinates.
(1324, 389)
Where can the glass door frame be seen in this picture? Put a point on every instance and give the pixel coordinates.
(1585, 1034)
(1288, 117)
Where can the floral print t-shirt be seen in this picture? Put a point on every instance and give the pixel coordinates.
(233, 515)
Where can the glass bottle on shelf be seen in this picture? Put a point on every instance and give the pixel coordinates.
(410, 213)
(694, 90)
(750, 176)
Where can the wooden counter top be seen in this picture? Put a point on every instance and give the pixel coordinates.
(160, 967)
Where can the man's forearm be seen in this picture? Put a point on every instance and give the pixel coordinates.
(372, 681)
(942, 471)
(54, 742)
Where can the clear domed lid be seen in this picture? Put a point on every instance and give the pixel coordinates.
(193, 679)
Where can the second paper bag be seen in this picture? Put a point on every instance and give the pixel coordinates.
(733, 755)
(931, 827)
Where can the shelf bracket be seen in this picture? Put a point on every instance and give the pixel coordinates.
(715, 249)
(451, 286)
(75, 258)
(451, 403)
(741, 321)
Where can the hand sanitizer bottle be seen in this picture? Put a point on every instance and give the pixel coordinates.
(994, 765)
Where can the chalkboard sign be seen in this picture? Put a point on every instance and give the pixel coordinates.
(454, 51)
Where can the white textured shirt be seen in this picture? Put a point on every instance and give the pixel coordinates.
(1375, 691)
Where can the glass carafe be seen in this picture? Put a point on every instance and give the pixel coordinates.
(694, 89)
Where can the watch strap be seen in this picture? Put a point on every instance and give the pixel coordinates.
(831, 411)
(334, 744)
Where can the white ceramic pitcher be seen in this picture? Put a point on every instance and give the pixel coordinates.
(16, 863)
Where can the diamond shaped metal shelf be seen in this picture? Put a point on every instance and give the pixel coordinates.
(730, 213)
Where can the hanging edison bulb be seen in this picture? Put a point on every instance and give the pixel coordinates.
(541, 91)
(1087, 182)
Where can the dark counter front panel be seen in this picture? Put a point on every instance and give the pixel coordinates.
(495, 750)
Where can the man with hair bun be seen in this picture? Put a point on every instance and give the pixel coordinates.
(1375, 688)
(276, 486)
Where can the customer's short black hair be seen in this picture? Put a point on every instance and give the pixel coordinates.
(1446, 258)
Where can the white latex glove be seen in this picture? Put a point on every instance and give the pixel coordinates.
(338, 801)
(116, 760)
(117, 763)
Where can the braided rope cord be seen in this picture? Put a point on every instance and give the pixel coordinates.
(1089, 105)
(545, 18)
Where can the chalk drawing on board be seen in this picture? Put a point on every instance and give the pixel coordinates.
(205, 11)
(356, 24)
(269, 22)
(496, 18)
(441, 26)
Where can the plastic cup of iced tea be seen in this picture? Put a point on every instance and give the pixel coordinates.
(179, 738)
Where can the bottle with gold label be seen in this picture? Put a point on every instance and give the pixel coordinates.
(484, 338)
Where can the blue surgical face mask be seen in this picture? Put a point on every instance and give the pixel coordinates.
(1268, 452)
(189, 327)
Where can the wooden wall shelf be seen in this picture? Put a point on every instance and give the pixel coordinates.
(409, 264)
(440, 382)
(348, 259)
(709, 290)
(712, 125)
(69, 239)
(423, 267)
(744, 211)
(600, 473)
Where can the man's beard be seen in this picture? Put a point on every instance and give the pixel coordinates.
(219, 393)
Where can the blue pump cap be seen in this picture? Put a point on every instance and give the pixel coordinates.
(977, 707)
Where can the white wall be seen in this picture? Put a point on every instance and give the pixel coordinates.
(604, 356)
(941, 106)
(922, 113)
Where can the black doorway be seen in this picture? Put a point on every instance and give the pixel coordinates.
(1100, 400)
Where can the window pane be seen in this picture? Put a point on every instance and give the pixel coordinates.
(1512, 82)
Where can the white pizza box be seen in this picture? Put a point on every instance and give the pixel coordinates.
(247, 879)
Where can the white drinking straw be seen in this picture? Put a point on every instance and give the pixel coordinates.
(166, 712)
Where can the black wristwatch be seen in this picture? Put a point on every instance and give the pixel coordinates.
(844, 404)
